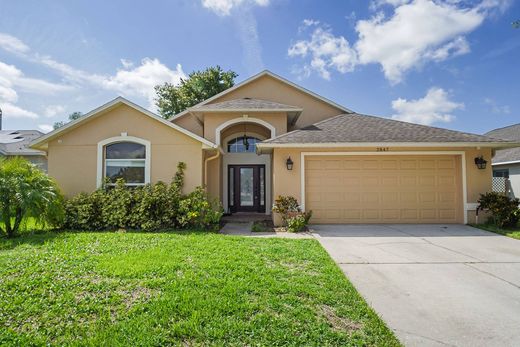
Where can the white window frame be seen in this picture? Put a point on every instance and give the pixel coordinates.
(117, 139)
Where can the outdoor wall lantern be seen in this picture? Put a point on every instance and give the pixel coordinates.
(480, 162)
(289, 163)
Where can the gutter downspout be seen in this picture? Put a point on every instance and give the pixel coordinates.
(206, 167)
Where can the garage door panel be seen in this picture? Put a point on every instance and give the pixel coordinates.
(396, 189)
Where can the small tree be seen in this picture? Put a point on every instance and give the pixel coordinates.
(26, 191)
(199, 86)
(72, 116)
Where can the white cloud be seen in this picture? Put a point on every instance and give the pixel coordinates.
(326, 52)
(53, 110)
(419, 31)
(434, 107)
(416, 32)
(12, 44)
(46, 128)
(141, 80)
(13, 79)
(224, 7)
(10, 110)
(495, 108)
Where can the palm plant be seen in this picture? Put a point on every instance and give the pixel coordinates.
(26, 191)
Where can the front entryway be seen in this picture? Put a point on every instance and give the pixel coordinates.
(246, 188)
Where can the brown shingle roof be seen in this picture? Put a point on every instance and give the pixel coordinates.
(246, 104)
(511, 132)
(353, 127)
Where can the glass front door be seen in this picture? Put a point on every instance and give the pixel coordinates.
(246, 188)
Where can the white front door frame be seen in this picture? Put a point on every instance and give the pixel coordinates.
(244, 159)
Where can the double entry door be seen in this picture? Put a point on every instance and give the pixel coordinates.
(246, 188)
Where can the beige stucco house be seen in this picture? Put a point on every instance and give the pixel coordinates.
(267, 137)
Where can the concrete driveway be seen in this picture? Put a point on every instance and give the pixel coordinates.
(434, 285)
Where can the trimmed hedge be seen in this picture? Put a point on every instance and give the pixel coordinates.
(150, 207)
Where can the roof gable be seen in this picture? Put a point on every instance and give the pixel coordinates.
(229, 93)
(510, 155)
(42, 141)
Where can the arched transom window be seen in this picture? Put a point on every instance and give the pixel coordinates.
(242, 144)
(126, 160)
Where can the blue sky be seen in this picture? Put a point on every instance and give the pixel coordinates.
(449, 63)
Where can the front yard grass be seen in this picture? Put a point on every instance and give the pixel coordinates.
(187, 289)
(511, 232)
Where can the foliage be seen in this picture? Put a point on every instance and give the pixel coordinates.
(292, 216)
(197, 211)
(513, 232)
(72, 116)
(298, 221)
(151, 207)
(504, 210)
(516, 24)
(199, 86)
(174, 289)
(284, 205)
(26, 191)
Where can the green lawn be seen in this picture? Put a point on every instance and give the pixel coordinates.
(511, 232)
(186, 289)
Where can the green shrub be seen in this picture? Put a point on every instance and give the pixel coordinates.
(291, 213)
(504, 210)
(298, 221)
(196, 210)
(285, 205)
(27, 192)
(150, 207)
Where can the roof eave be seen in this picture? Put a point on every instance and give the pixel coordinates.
(387, 144)
(254, 110)
(507, 162)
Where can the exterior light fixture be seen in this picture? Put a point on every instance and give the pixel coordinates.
(480, 162)
(289, 163)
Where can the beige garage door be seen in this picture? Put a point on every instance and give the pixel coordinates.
(384, 189)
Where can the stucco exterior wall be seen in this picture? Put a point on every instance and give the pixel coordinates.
(213, 120)
(268, 88)
(289, 182)
(72, 157)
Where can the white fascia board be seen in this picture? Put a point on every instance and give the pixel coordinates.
(507, 162)
(380, 144)
(119, 100)
(251, 110)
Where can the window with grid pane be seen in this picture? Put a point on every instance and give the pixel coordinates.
(237, 145)
(126, 160)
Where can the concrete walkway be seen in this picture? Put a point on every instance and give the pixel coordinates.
(244, 229)
(433, 285)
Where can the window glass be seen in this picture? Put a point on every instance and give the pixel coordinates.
(262, 186)
(125, 150)
(126, 160)
(237, 145)
(231, 186)
(501, 173)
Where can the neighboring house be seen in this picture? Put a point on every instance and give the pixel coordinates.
(16, 143)
(506, 162)
(267, 136)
